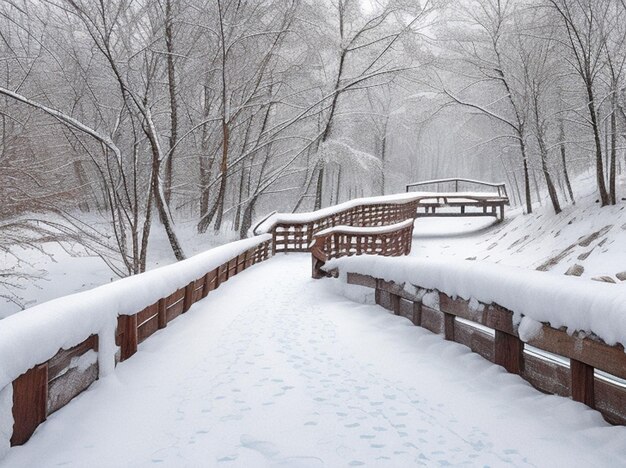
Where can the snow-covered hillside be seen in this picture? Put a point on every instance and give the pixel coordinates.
(583, 234)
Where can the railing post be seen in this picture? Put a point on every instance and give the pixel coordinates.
(509, 352)
(188, 299)
(417, 314)
(395, 303)
(582, 382)
(128, 328)
(162, 313)
(30, 398)
(448, 326)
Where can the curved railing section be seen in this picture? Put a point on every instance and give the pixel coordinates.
(51, 352)
(340, 241)
(295, 232)
(578, 365)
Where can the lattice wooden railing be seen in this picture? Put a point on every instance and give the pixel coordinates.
(340, 241)
(297, 236)
(581, 367)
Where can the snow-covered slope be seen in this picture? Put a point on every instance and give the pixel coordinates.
(583, 234)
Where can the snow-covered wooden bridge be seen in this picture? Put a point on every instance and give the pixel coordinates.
(228, 359)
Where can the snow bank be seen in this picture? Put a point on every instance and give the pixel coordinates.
(307, 217)
(36, 334)
(561, 301)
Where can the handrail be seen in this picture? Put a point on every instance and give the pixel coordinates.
(32, 400)
(265, 218)
(500, 186)
(339, 241)
(295, 234)
(491, 331)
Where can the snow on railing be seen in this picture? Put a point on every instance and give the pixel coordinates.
(457, 181)
(339, 241)
(294, 232)
(51, 352)
(507, 314)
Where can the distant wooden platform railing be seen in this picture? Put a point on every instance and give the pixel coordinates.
(580, 367)
(48, 386)
(389, 241)
(296, 236)
(459, 184)
(470, 197)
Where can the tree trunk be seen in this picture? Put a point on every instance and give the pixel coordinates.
(564, 162)
(613, 161)
(246, 221)
(171, 77)
(529, 203)
(604, 196)
(318, 187)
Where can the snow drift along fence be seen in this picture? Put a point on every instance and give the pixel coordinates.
(296, 236)
(340, 241)
(51, 384)
(551, 360)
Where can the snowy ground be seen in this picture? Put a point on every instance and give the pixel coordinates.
(276, 369)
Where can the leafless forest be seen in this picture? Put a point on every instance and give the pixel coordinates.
(147, 113)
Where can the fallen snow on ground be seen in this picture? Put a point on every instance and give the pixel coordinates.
(275, 369)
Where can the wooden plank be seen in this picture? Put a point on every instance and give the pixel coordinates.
(509, 352)
(361, 280)
(432, 319)
(460, 308)
(61, 360)
(30, 397)
(582, 382)
(546, 375)
(174, 310)
(68, 385)
(610, 359)
(475, 339)
(175, 297)
(147, 328)
(610, 400)
(146, 314)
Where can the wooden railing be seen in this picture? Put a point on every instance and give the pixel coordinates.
(297, 236)
(389, 241)
(50, 385)
(457, 184)
(596, 371)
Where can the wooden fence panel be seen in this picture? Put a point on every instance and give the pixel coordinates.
(543, 361)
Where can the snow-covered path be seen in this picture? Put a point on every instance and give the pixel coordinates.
(277, 369)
